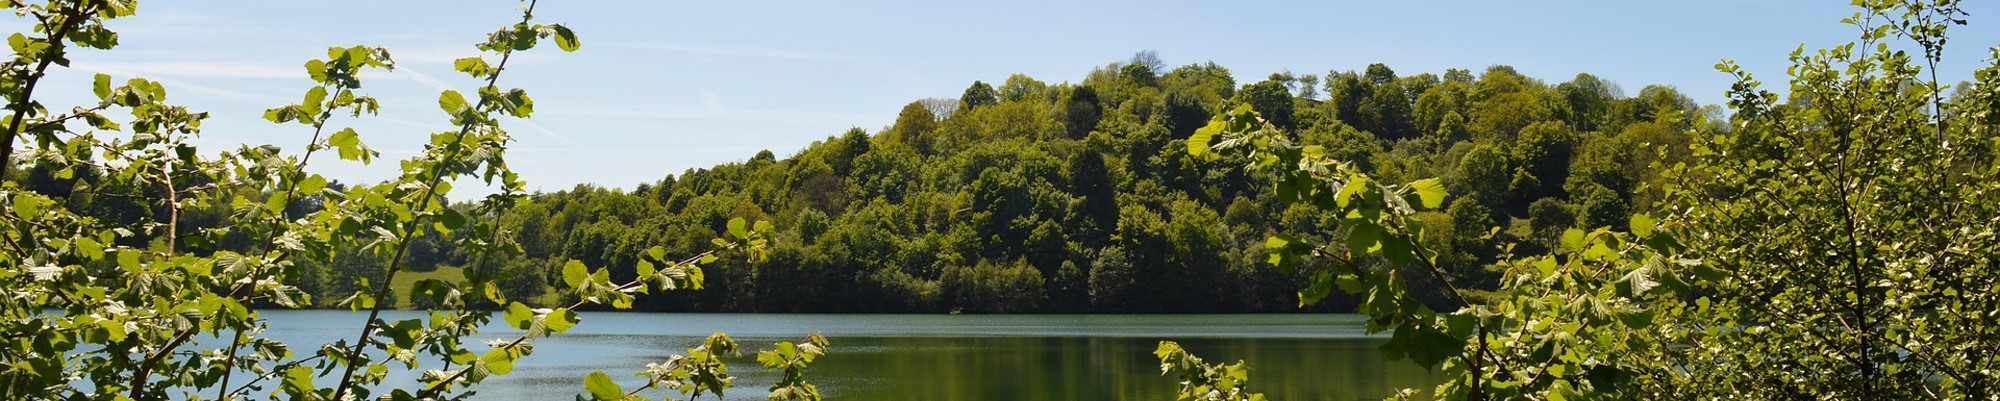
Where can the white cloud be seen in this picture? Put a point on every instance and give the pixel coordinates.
(545, 131)
(445, 55)
(711, 101)
(423, 78)
(739, 51)
(685, 112)
(201, 69)
(120, 74)
(629, 150)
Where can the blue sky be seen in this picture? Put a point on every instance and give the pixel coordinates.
(663, 86)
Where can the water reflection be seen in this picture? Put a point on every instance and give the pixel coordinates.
(931, 357)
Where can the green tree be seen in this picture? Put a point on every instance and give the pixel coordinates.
(1111, 275)
(1589, 99)
(1844, 229)
(912, 124)
(1270, 98)
(978, 95)
(1483, 174)
(994, 287)
(1501, 117)
(1080, 112)
(1019, 87)
(1544, 150)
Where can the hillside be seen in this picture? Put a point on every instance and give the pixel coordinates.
(1034, 197)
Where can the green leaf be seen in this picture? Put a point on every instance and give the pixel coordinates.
(1199, 145)
(1279, 247)
(348, 142)
(312, 184)
(1430, 191)
(26, 206)
(1708, 272)
(1642, 225)
(1636, 283)
(574, 273)
(282, 114)
(473, 66)
(498, 361)
(1364, 239)
(1322, 285)
(738, 228)
(276, 203)
(315, 99)
(1572, 239)
(1433, 347)
(317, 70)
(1640, 318)
(602, 388)
(450, 220)
(1546, 265)
(1354, 186)
(565, 39)
(452, 102)
(523, 105)
(518, 315)
(299, 378)
(560, 320)
(1349, 283)
(101, 86)
(645, 268)
(1397, 250)
(113, 329)
(492, 292)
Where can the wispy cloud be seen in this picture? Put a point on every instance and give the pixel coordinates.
(119, 72)
(711, 101)
(739, 51)
(593, 150)
(546, 131)
(445, 55)
(423, 78)
(236, 70)
(429, 126)
(705, 112)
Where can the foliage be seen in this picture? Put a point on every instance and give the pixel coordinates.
(1561, 326)
(1203, 382)
(1848, 228)
(105, 303)
(1826, 248)
(793, 359)
(703, 371)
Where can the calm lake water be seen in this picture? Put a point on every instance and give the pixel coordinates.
(944, 357)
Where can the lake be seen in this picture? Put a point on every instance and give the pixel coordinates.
(943, 357)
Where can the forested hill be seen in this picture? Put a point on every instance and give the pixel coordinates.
(1027, 196)
(1034, 197)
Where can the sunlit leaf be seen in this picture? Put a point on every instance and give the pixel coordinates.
(602, 388)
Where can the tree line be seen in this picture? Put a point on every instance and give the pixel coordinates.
(1028, 196)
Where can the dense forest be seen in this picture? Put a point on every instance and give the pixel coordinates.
(1034, 197)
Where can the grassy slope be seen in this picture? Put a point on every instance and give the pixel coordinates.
(408, 279)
